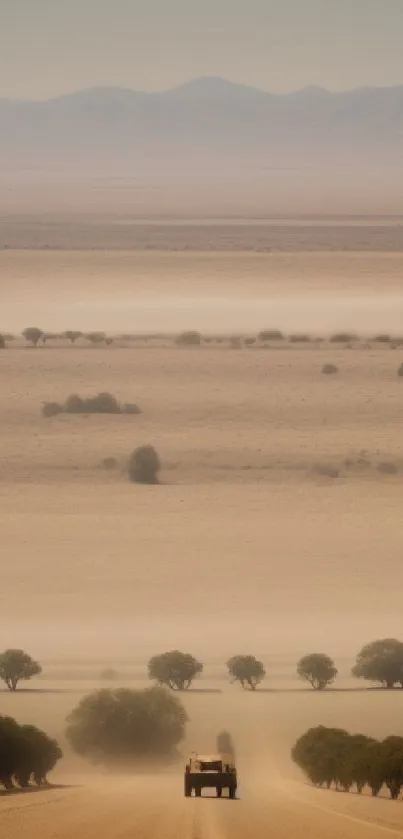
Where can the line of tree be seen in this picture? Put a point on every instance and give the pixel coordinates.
(333, 757)
(26, 753)
(379, 661)
(33, 335)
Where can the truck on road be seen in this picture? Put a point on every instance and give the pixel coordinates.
(210, 772)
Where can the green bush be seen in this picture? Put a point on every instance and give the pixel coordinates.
(125, 726)
(144, 465)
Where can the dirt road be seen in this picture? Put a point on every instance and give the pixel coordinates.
(154, 808)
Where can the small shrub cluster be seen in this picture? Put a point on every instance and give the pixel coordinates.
(330, 369)
(26, 753)
(102, 403)
(144, 465)
(333, 757)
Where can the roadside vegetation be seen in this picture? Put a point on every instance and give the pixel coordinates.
(26, 754)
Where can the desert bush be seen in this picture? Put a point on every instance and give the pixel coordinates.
(247, 670)
(122, 725)
(343, 338)
(249, 342)
(17, 666)
(96, 337)
(174, 669)
(109, 674)
(329, 369)
(270, 335)
(33, 335)
(387, 468)
(144, 465)
(131, 408)
(2, 342)
(25, 752)
(74, 404)
(381, 661)
(326, 471)
(51, 409)
(103, 403)
(109, 463)
(317, 669)
(300, 339)
(190, 338)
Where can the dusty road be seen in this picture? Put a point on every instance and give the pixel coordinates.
(155, 807)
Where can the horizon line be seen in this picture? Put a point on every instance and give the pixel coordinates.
(193, 82)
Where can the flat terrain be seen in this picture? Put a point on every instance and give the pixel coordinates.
(276, 528)
(272, 797)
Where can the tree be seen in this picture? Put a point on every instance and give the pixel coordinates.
(33, 335)
(144, 465)
(72, 335)
(381, 661)
(15, 666)
(96, 337)
(174, 669)
(317, 669)
(270, 335)
(122, 725)
(247, 670)
(25, 752)
(391, 760)
(2, 342)
(189, 339)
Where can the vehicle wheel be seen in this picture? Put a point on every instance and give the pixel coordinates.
(219, 791)
(188, 790)
(232, 792)
(197, 792)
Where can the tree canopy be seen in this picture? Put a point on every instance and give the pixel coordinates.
(247, 670)
(33, 335)
(25, 752)
(331, 756)
(144, 465)
(174, 669)
(317, 669)
(123, 725)
(381, 661)
(16, 666)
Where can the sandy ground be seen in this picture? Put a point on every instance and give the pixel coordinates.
(272, 796)
(244, 547)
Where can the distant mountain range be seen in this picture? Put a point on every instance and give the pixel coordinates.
(207, 125)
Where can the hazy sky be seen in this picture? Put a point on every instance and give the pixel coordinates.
(53, 46)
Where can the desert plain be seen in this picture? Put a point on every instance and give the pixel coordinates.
(275, 529)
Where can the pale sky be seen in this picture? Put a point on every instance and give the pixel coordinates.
(49, 47)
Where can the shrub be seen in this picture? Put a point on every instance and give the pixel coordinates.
(15, 666)
(270, 335)
(74, 404)
(400, 371)
(109, 675)
(103, 403)
(387, 468)
(109, 463)
(2, 342)
(190, 338)
(25, 752)
(235, 342)
(329, 369)
(51, 409)
(96, 337)
(317, 669)
(300, 339)
(33, 335)
(144, 465)
(122, 725)
(174, 669)
(326, 471)
(131, 408)
(249, 342)
(247, 670)
(343, 338)
(381, 661)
